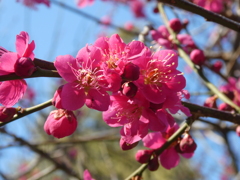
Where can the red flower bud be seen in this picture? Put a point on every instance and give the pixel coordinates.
(217, 66)
(143, 156)
(60, 123)
(187, 144)
(24, 67)
(129, 89)
(131, 72)
(197, 57)
(125, 146)
(211, 102)
(6, 114)
(153, 164)
(56, 101)
(176, 25)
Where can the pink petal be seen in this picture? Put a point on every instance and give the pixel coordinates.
(29, 50)
(153, 140)
(169, 158)
(72, 98)
(87, 175)
(169, 58)
(177, 82)
(153, 94)
(137, 50)
(12, 91)
(89, 56)
(97, 99)
(66, 65)
(7, 62)
(21, 42)
(116, 43)
(155, 123)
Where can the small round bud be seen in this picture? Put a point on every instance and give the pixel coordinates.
(125, 146)
(187, 144)
(197, 57)
(57, 101)
(176, 25)
(129, 89)
(24, 67)
(211, 102)
(131, 72)
(153, 164)
(217, 66)
(6, 114)
(143, 156)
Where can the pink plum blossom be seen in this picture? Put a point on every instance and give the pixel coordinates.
(232, 91)
(163, 38)
(211, 5)
(159, 76)
(169, 158)
(12, 91)
(137, 8)
(115, 54)
(86, 82)
(87, 175)
(83, 3)
(60, 123)
(134, 115)
(32, 3)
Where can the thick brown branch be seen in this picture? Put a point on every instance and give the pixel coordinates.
(202, 111)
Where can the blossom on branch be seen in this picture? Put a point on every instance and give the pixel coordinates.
(20, 63)
(60, 123)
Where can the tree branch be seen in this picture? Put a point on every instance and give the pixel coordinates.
(208, 15)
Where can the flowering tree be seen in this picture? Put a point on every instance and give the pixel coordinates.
(163, 86)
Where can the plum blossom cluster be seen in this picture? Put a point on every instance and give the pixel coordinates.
(136, 89)
(163, 38)
(212, 5)
(231, 90)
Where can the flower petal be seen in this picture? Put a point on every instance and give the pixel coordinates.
(153, 140)
(12, 91)
(169, 158)
(97, 99)
(72, 98)
(65, 66)
(7, 62)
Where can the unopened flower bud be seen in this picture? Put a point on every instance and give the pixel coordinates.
(197, 57)
(225, 107)
(217, 66)
(238, 130)
(24, 67)
(175, 24)
(143, 156)
(131, 72)
(6, 114)
(60, 123)
(211, 102)
(187, 144)
(153, 164)
(129, 89)
(57, 101)
(125, 146)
